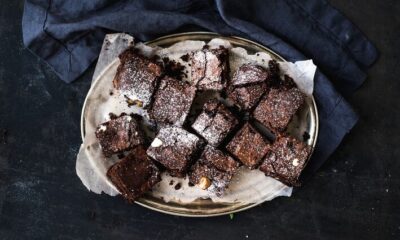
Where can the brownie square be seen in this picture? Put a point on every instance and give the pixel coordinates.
(277, 108)
(175, 149)
(249, 74)
(215, 122)
(210, 68)
(246, 97)
(248, 146)
(197, 66)
(119, 134)
(213, 171)
(286, 160)
(134, 175)
(136, 77)
(172, 102)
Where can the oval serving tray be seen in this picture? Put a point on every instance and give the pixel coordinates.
(206, 207)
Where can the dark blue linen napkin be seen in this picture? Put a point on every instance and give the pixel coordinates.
(68, 35)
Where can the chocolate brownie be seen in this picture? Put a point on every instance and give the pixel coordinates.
(175, 149)
(249, 74)
(277, 108)
(134, 175)
(119, 134)
(210, 68)
(136, 77)
(172, 101)
(213, 171)
(246, 97)
(215, 122)
(248, 146)
(286, 159)
(197, 66)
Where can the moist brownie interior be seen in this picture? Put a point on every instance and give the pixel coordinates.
(134, 175)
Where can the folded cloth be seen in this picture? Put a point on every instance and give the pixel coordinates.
(68, 35)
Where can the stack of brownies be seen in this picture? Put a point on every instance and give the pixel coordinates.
(211, 147)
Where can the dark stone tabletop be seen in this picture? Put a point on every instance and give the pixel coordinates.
(355, 195)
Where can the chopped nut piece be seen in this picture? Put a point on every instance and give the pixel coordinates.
(156, 142)
(204, 183)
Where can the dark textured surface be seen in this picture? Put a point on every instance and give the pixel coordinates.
(354, 196)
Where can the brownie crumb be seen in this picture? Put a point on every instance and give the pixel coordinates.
(107, 43)
(171, 182)
(274, 71)
(177, 186)
(185, 57)
(131, 102)
(112, 115)
(4, 134)
(174, 69)
(111, 93)
(190, 184)
(306, 136)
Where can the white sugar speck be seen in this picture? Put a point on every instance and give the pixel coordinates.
(295, 162)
